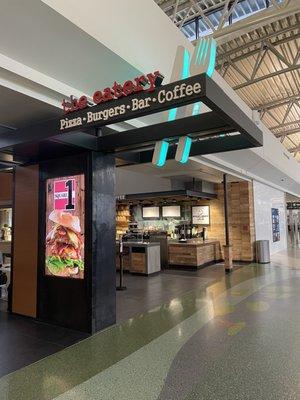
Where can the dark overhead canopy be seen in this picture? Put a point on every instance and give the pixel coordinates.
(169, 195)
(211, 132)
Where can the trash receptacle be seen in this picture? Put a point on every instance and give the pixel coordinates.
(262, 251)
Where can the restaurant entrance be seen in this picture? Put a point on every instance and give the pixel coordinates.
(174, 238)
(6, 189)
(63, 263)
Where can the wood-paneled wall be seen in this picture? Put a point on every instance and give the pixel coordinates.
(25, 240)
(6, 188)
(241, 219)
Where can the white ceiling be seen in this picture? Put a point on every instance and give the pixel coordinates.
(182, 172)
(34, 34)
(18, 110)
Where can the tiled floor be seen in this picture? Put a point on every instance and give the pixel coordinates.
(228, 337)
(145, 293)
(26, 341)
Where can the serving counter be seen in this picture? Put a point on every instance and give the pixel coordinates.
(141, 257)
(194, 253)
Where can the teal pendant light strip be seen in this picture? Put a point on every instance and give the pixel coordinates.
(212, 58)
(163, 153)
(172, 114)
(186, 150)
(185, 73)
(183, 149)
(160, 153)
(186, 65)
(196, 108)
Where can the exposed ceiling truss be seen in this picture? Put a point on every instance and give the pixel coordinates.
(262, 64)
(214, 14)
(263, 67)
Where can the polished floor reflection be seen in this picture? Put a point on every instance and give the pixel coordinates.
(232, 337)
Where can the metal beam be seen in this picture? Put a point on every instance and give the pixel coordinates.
(175, 10)
(285, 124)
(277, 103)
(262, 38)
(226, 55)
(185, 17)
(262, 78)
(186, 5)
(255, 21)
(291, 132)
(203, 15)
(294, 150)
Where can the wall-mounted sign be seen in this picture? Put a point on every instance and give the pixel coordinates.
(143, 83)
(275, 225)
(140, 103)
(65, 208)
(201, 215)
(295, 205)
(64, 194)
(150, 212)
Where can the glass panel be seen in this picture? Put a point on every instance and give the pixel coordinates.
(189, 29)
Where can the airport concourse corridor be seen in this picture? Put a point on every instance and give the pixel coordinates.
(237, 337)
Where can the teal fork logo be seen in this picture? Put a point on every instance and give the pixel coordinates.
(204, 57)
(203, 60)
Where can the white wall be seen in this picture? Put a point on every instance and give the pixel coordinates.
(266, 198)
(128, 182)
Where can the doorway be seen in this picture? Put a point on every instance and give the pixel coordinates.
(293, 222)
(5, 254)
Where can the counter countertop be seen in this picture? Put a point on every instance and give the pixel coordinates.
(141, 244)
(191, 242)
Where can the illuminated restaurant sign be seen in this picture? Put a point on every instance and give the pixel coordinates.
(143, 83)
(141, 102)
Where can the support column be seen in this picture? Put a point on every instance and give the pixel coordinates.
(103, 240)
(87, 304)
(227, 248)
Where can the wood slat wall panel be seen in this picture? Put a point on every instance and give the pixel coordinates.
(6, 188)
(241, 219)
(25, 240)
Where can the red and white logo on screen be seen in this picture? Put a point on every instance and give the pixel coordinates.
(64, 194)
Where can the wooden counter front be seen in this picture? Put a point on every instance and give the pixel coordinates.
(140, 258)
(194, 253)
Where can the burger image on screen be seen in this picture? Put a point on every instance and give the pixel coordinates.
(64, 245)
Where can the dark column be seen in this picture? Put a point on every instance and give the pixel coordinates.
(87, 304)
(103, 240)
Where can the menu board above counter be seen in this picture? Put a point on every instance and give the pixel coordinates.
(150, 212)
(171, 211)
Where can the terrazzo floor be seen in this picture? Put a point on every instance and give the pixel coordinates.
(231, 337)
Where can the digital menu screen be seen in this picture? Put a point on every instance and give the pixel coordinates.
(65, 208)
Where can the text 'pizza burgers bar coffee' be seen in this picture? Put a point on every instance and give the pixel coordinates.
(65, 227)
(160, 96)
